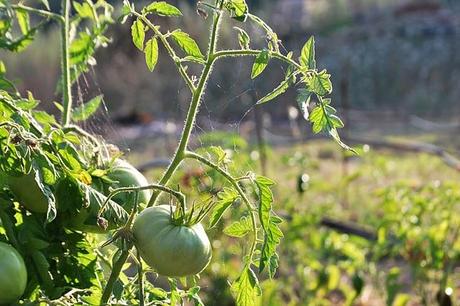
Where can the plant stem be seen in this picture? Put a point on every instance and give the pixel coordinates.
(40, 12)
(233, 181)
(178, 195)
(193, 109)
(65, 65)
(251, 52)
(140, 276)
(114, 276)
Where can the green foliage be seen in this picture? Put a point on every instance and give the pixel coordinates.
(162, 8)
(151, 53)
(187, 44)
(138, 34)
(260, 64)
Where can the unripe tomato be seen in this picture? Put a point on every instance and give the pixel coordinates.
(13, 274)
(125, 175)
(28, 193)
(172, 250)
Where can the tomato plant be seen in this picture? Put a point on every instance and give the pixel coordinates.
(66, 188)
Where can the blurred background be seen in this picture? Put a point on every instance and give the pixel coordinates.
(380, 228)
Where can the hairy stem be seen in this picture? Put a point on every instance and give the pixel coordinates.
(140, 276)
(193, 109)
(250, 52)
(40, 12)
(178, 195)
(118, 265)
(65, 65)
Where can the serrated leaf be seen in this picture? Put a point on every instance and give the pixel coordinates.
(272, 238)
(318, 119)
(265, 200)
(151, 53)
(162, 8)
(238, 9)
(319, 83)
(23, 21)
(260, 63)
(239, 228)
(87, 109)
(307, 56)
(246, 288)
(243, 38)
(138, 34)
(225, 199)
(186, 43)
(84, 10)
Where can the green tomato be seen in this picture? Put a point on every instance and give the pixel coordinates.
(172, 250)
(13, 274)
(27, 192)
(123, 174)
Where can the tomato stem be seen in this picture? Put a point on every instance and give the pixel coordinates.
(116, 269)
(65, 65)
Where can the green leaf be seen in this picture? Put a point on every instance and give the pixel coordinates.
(162, 8)
(260, 64)
(86, 110)
(23, 21)
(246, 288)
(238, 9)
(265, 200)
(138, 34)
(240, 228)
(52, 211)
(243, 38)
(225, 199)
(319, 83)
(84, 10)
(279, 90)
(307, 56)
(272, 238)
(151, 53)
(186, 43)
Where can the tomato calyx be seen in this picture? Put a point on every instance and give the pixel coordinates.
(181, 217)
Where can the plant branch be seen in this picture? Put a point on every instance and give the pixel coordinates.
(117, 266)
(140, 276)
(170, 50)
(40, 12)
(193, 109)
(177, 194)
(251, 52)
(65, 65)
